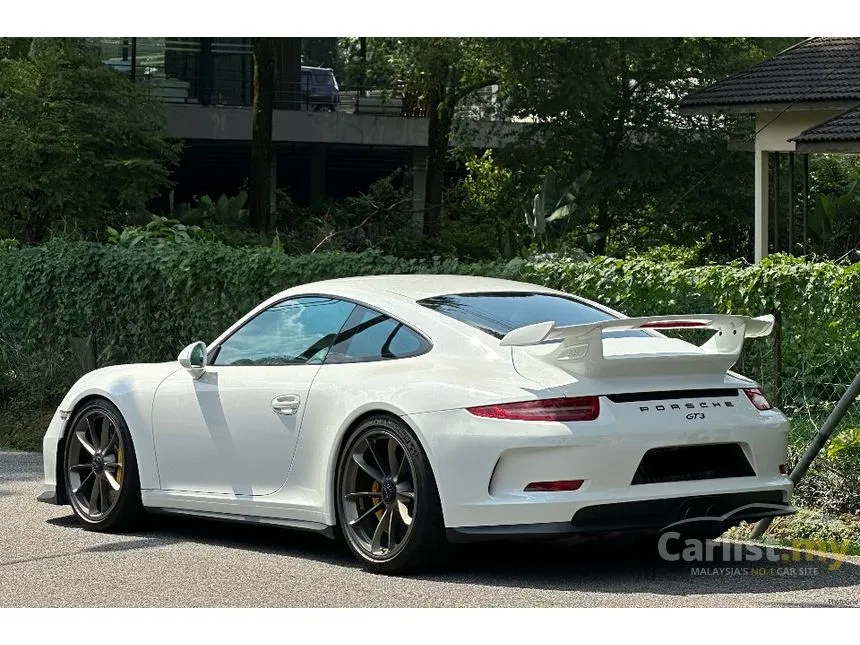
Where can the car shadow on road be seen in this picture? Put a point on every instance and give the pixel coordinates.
(606, 566)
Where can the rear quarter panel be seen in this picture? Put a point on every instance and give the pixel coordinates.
(343, 393)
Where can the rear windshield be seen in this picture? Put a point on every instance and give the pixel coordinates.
(498, 313)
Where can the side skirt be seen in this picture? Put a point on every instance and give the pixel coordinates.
(315, 527)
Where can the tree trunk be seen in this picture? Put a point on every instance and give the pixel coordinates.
(439, 132)
(262, 149)
(604, 224)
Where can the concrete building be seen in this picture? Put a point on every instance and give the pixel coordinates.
(207, 86)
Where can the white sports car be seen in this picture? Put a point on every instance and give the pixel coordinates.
(405, 411)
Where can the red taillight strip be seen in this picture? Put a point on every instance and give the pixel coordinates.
(581, 408)
(672, 324)
(570, 484)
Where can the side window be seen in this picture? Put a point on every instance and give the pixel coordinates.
(293, 332)
(371, 336)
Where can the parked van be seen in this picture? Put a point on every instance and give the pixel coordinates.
(319, 89)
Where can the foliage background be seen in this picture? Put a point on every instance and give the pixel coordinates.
(82, 146)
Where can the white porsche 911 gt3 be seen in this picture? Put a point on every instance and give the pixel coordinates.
(405, 411)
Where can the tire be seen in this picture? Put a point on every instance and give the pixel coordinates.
(387, 502)
(112, 462)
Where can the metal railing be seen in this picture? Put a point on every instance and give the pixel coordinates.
(219, 72)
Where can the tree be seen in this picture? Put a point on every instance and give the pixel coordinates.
(277, 84)
(608, 106)
(434, 75)
(262, 148)
(14, 47)
(81, 144)
(320, 52)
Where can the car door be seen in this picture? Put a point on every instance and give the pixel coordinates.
(234, 429)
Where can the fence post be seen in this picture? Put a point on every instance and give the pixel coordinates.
(824, 433)
(777, 359)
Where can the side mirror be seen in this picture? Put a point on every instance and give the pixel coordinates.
(193, 358)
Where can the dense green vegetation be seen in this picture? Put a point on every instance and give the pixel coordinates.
(144, 301)
(82, 146)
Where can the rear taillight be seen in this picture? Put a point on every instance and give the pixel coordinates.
(580, 408)
(757, 398)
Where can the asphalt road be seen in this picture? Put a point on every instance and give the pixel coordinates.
(46, 559)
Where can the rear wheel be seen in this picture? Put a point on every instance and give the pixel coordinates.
(100, 468)
(388, 505)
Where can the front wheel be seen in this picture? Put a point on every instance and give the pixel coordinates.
(388, 505)
(100, 468)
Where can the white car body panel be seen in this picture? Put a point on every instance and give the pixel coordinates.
(230, 439)
(213, 446)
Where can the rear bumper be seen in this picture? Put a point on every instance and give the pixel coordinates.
(483, 467)
(701, 512)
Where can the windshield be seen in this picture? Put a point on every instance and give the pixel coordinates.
(324, 78)
(498, 313)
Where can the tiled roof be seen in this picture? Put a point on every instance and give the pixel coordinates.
(817, 69)
(843, 127)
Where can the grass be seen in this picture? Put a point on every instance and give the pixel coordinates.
(808, 526)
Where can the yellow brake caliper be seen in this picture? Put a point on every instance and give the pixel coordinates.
(376, 500)
(121, 465)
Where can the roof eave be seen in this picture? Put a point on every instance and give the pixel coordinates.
(752, 108)
(847, 146)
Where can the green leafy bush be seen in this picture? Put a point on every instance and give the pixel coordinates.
(841, 532)
(145, 303)
(159, 229)
(483, 217)
(82, 145)
(832, 483)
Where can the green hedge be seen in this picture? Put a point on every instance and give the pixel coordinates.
(146, 303)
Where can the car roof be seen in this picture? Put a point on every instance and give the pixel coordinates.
(415, 286)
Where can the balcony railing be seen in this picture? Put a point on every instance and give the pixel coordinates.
(219, 72)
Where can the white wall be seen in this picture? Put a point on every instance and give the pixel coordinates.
(197, 122)
(775, 129)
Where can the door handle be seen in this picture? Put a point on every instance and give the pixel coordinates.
(286, 404)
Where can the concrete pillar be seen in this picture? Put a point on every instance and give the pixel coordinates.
(418, 172)
(273, 186)
(762, 200)
(317, 173)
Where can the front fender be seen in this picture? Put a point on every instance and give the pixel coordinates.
(131, 388)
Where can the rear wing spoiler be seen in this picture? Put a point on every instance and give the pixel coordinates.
(581, 350)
